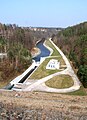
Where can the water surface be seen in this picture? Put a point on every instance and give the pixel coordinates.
(44, 52)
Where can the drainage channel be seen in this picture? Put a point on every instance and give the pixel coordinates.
(10, 86)
(27, 75)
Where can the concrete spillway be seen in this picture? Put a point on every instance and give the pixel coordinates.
(22, 77)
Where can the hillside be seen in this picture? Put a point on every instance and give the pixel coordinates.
(41, 106)
(19, 43)
(73, 42)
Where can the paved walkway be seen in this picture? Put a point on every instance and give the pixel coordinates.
(39, 85)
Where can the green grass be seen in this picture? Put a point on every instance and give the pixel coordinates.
(43, 72)
(55, 51)
(60, 82)
(80, 92)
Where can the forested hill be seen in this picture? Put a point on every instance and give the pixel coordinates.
(18, 43)
(73, 42)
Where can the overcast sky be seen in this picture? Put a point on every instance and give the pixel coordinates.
(43, 13)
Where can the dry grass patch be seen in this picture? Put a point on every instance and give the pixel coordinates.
(60, 82)
(6, 82)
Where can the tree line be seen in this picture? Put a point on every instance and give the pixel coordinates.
(73, 42)
(18, 43)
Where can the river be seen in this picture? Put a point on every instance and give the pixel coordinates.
(44, 51)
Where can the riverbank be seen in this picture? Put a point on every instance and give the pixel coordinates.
(35, 52)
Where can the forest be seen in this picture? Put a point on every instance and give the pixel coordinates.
(73, 42)
(18, 43)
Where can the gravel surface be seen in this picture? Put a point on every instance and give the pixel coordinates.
(41, 106)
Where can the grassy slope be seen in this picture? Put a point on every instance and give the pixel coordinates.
(62, 81)
(80, 92)
(55, 52)
(42, 71)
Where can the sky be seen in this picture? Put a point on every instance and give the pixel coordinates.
(43, 13)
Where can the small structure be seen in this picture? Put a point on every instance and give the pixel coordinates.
(53, 64)
(3, 55)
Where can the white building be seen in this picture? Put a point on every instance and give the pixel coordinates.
(53, 64)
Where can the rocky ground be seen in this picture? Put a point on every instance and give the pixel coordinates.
(41, 106)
